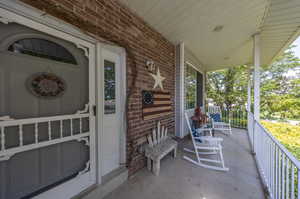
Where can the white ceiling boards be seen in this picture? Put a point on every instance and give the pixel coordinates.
(218, 32)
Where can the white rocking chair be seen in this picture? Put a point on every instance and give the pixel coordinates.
(209, 146)
(219, 125)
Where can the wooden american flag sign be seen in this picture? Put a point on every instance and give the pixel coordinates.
(156, 104)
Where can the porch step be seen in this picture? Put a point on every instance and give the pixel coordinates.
(110, 182)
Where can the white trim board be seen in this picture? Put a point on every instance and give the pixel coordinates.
(100, 105)
(193, 66)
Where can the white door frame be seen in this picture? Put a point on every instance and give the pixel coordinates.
(13, 11)
(100, 102)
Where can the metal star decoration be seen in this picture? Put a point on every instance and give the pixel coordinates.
(158, 79)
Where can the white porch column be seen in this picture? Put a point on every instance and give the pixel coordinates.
(250, 125)
(256, 78)
(204, 90)
(179, 93)
(249, 90)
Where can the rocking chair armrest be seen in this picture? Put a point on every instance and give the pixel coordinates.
(203, 129)
(209, 139)
(221, 124)
(198, 137)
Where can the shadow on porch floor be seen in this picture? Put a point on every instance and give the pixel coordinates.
(180, 179)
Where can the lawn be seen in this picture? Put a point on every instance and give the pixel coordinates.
(287, 134)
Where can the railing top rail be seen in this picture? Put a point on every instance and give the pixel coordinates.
(42, 119)
(294, 160)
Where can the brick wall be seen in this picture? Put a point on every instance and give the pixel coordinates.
(109, 20)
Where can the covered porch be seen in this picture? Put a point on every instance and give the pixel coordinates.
(180, 179)
(182, 38)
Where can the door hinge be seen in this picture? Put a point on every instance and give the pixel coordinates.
(94, 110)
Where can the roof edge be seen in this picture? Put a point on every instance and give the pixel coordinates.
(287, 44)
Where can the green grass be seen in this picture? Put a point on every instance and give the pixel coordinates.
(287, 134)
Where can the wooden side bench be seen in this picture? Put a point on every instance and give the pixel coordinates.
(159, 145)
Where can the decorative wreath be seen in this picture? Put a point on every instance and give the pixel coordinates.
(46, 85)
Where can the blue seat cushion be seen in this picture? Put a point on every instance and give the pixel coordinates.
(195, 132)
(216, 117)
(197, 135)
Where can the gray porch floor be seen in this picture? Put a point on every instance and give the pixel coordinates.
(180, 179)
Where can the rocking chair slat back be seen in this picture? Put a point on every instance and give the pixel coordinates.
(214, 109)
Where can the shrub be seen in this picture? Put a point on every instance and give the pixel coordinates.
(287, 134)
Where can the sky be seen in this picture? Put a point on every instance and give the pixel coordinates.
(297, 49)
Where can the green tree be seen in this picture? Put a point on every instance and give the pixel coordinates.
(280, 87)
(228, 88)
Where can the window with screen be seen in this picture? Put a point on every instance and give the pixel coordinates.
(190, 87)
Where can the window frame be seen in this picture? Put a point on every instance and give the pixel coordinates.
(196, 70)
(114, 99)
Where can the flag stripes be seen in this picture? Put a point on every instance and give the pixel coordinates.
(156, 104)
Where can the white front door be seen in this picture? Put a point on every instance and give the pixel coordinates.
(112, 111)
(48, 150)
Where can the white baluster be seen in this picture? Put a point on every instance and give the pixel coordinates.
(298, 182)
(21, 135)
(166, 133)
(293, 182)
(283, 177)
(265, 155)
(158, 132)
(71, 123)
(154, 136)
(49, 130)
(162, 133)
(276, 172)
(2, 138)
(36, 132)
(269, 163)
(61, 128)
(279, 173)
(287, 181)
(80, 125)
(272, 169)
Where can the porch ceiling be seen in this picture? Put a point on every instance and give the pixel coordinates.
(194, 21)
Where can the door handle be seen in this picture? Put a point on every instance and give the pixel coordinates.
(94, 110)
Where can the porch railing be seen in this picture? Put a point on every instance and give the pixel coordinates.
(278, 168)
(237, 118)
(36, 133)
